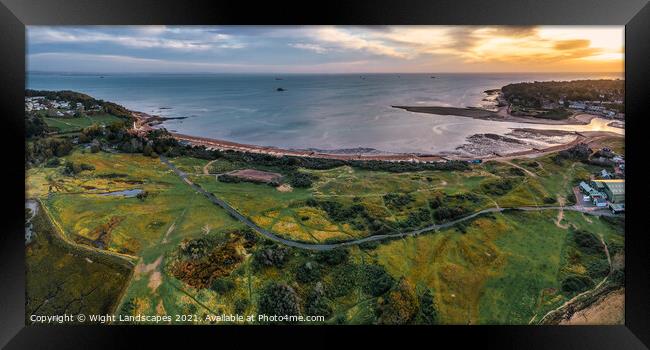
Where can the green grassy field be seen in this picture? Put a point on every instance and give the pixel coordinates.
(132, 223)
(501, 269)
(190, 165)
(290, 215)
(146, 228)
(556, 178)
(65, 125)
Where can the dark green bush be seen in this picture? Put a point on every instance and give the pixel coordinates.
(598, 268)
(497, 187)
(278, 299)
(273, 255)
(307, 272)
(375, 280)
(587, 242)
(396, 200)
(576, 284)
(343, 281)
(223, 285)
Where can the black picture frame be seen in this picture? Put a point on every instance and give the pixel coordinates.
(634, 14)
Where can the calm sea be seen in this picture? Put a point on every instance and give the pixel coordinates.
(315, 111)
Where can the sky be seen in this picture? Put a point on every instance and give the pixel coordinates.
(324, 49)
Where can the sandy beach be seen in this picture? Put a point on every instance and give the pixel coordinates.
(279, 152)
(142, 124)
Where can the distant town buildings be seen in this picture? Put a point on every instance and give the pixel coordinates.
(597, 107)
(56, 108)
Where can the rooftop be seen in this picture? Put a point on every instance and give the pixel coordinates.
(616, 187)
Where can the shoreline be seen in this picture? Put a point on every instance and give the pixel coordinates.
(501, 115)
(141, 125)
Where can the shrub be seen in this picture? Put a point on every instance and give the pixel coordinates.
(128, 307)
(274, 255)
(307, 272)
(598, 268)
(516, 172)
(579, 152)
(229, 178)
(278, 299)
(343, 281)
(576, 284)
(250, 237)
(147, 150)
(301, 180)
(549, 200)
(142, 195)
(396, 200)
(85, 166)
(375, 280)
(195, 248)
(34, 126)
(241, 305)
(448, 214)
(222, 285)
(428, 310)
(333, 257)
(416, 219)
(208, 260)
(53, 163)
(497, 187)
(618, 277)
(316, 305)
(400, 306)
(435, 202)
(587, 242)
(71, 169)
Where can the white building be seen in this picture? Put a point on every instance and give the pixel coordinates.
(577, 105)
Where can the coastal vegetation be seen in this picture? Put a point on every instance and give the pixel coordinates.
(62, 280)
(87, 101)
(534, 94)
(553, 99)
(134, 237)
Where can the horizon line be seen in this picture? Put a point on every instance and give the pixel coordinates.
(325, 73)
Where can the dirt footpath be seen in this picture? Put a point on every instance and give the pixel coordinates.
(607, 311)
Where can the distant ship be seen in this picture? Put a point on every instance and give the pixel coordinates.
(279, 79)
(280, 89)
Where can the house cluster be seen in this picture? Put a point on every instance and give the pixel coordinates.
(36, 103)
(55, 108)
(607, 157)
(596, 107)
(605, 194)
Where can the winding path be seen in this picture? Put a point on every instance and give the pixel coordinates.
(316, 246)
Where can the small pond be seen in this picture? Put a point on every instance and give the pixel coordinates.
(124, 193)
